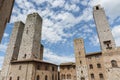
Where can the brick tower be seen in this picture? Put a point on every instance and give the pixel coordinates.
(13, 48)
(5, 12)
(81, 65)
(30, 45)
(105, 36)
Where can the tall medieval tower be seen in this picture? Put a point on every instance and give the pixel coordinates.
(105, 36)
(30, 45)
(13, 48)
(81, 65)
(5, 13)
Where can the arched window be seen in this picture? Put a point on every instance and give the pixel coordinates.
(10, 78)
(46, 78)
(38, 67)
(98, 65)
(18, 78)
(64, 76)
(92, 76)
(82, 78)
(91, 66)
(68, 76)
(38, 77)
(101, 76)
(114, 63)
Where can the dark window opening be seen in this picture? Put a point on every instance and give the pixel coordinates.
(27, 31)
(108, 44)
(101, 76)
(10, 78)
(46, 67)
(38, 77)
(20, 67)
(68, 76)
(82, 78)
(24, 56)
(38, 67)
(82, 72)
(92, 76)
(18, 78)
(53, 69)
(52, 77)
(91, 66)
(80, 62)
(46, 78)
(99, 65)
(97, 7)
(114, 63)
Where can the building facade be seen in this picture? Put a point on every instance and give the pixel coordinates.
(104, 65)
(67, 71)
(5, 13)
(24, 56)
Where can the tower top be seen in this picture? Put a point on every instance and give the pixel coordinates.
(103, 28)
(34, 15)
(97, 7)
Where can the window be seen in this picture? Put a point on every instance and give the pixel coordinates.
(38, 67)
(82, 72)
(53, 69)
(80, 62)
(98, 65)
(18, 78)
(52, 77)
(68, 76)
(64, 76)
(91, 66)
(46, 78)
(24, 56)
(101, 76)
(79, 53)
(20, 67)
(38, 77)
(82, 78)
(27, 31)
(10, 78)
(68, 67)
(46, 67)
(108, 44)
(92, 76)
(114, 63)
(97, 7)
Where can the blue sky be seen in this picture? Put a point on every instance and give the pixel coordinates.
(63, 21)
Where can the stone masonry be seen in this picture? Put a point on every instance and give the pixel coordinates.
(13, 47)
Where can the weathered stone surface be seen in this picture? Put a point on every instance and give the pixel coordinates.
(13, 47)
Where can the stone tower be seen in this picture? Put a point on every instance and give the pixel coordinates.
(13, 48)
(30, 47)
(81, 65)
(106, 39)
(5, 12)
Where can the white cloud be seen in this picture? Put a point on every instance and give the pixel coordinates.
(1, 61)
(3, 47)
(54, 58)
(58, 3)
(94, 40)
(5, 35)
(116, 34)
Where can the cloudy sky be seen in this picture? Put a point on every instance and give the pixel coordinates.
(63, 21)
